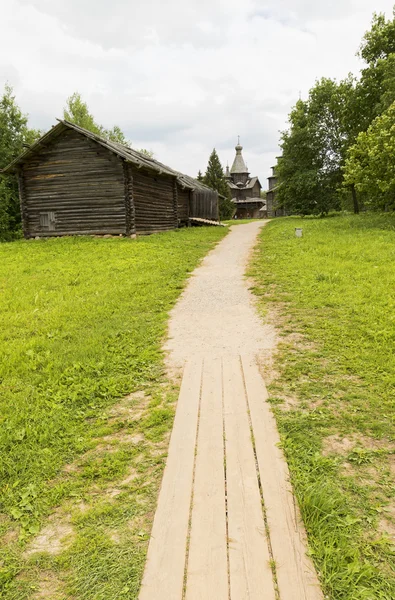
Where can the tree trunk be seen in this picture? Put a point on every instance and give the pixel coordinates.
(355, 199)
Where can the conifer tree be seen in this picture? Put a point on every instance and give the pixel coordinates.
(215, 178)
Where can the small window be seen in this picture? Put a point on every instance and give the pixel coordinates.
(47, 221)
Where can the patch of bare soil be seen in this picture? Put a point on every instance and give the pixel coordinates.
(114, 536)
(387, 526)
(49, 588)
(10, 537)
(53, 538)
(133, 474)
(289, 403)
(130, 407)
(391, 462)
(121, 438)
(335, 444)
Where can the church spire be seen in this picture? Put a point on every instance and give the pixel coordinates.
(239, 165)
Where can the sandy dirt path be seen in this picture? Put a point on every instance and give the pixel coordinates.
(215, 315)
(226, 526)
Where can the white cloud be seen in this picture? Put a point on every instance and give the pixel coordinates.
(181, 76)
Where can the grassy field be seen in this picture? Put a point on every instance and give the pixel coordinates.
(332, 297)
(85, 407)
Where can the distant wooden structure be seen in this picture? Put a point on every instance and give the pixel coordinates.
(74, 182)
(245, 190)
(272, 206)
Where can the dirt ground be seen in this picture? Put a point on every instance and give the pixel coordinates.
(216, 313)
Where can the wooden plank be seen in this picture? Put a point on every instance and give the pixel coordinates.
(249, 560)
(296, 576)
(165, 566)
(206, 222)
(207, 573)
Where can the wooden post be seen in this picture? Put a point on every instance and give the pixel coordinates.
(130, 217)
(175, 202)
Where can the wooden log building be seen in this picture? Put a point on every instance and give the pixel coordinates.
(274, 209)
(74, 182)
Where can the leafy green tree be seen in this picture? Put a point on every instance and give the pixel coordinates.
(297, 170)
(116, 135)
(199, 176)
(147, 153)
(370, 165)
(215, 178)
(376, 88)
(15, 135)
(77, 112)
(314, 148)
(324, 133)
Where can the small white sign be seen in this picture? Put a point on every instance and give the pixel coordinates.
(298, 232)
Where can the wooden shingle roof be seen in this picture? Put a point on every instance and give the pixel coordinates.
(132, 156)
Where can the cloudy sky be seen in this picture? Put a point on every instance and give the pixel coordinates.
(181, 76)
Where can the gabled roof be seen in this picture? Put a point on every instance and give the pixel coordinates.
(232, 185)
(134, 157)
(189, 182)
(251, 182)
(248, 186)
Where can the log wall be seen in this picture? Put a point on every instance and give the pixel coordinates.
(204, 205)
(73, 186)
(155, 201)
(183, 204)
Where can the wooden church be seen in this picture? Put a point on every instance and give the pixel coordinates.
(245, 190)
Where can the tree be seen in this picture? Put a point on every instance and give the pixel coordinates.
(147, 153)
(370, 165)
(314, 148)
(199, 176)
(338, 147)
(302, 190)
(77, 112)
(15, 135)
(376, 88)
(215, 178)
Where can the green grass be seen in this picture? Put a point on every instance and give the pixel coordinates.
(81, 326)
(332, 297)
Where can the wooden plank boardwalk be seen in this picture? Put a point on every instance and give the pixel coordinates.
(226, 525)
